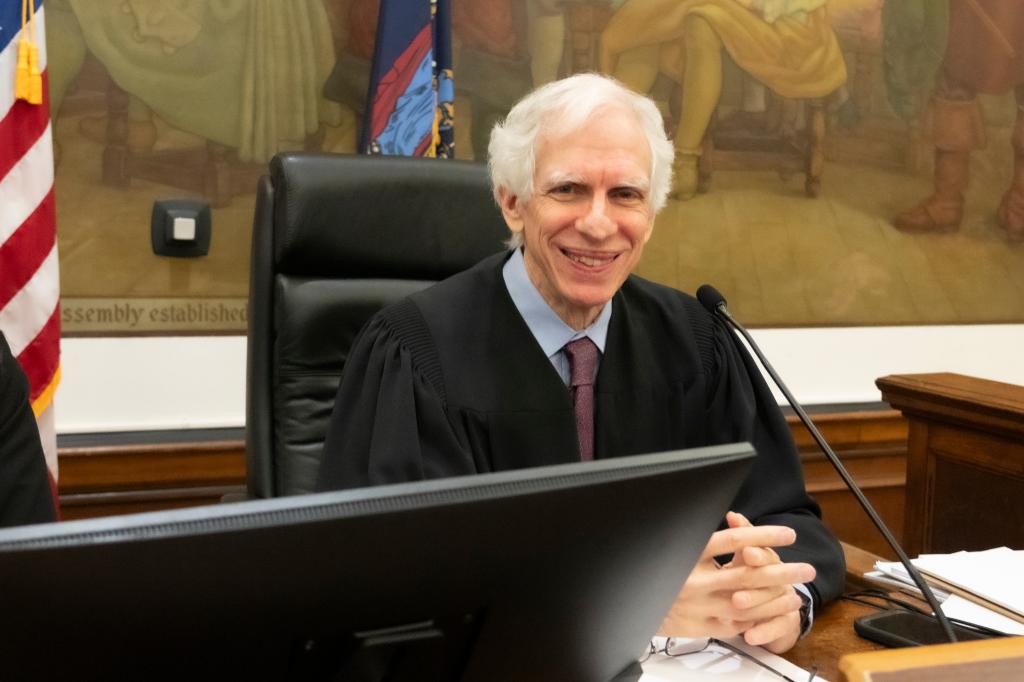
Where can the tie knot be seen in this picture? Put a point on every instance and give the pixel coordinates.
(582, 361)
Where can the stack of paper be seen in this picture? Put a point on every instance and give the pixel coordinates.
(893, 574)
(992, 576)
(979, 587)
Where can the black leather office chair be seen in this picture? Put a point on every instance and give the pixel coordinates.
(335, 238)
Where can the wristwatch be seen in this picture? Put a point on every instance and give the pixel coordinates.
(805, 612)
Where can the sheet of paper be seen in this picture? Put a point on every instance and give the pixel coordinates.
(719, 664)
(993, 574)
(892, 578)
(964, 609)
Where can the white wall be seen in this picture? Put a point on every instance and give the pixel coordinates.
(147, 383)
(840, 365)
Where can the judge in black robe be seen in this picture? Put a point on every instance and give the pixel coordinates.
(460, 378)
(451, 382)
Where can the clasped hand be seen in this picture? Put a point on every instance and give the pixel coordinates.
(753, 594)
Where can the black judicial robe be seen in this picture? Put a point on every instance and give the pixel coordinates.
(451, 381)
(24, 483)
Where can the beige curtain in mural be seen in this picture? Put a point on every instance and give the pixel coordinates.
(245, 73)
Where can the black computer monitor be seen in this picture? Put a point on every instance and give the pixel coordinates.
(553, 573)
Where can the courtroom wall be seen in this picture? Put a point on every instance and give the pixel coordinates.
(162, 99)
(129, 384)
(159, 99)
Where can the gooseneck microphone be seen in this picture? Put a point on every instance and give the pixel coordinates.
(714, 302)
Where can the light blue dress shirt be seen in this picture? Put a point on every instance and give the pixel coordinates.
(548, 328)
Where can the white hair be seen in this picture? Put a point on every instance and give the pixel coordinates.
(560, 108)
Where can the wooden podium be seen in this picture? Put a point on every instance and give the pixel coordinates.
(992, 659)
(965, 461)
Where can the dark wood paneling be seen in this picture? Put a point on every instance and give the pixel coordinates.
(103, 481)
(872, 444)
(965, 463)
(92, 505)
(123, 479)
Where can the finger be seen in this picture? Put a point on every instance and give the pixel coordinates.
(750, 577)
(737, 520)
(782, 632)
(742, 600)
(690, 624)
(704, 568)
(697, 600)
(700, 586)
(731, 540)
(758, 556)
(766, 604)
(710, 627)
(723, 628)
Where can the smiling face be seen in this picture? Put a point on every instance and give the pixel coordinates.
(585, 225)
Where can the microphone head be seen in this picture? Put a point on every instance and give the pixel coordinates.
(710, 298)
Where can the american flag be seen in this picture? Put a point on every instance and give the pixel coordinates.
(29, 284)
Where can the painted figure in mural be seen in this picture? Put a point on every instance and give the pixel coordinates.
(507, 48)
(984, 53)
(243, 73)
(492, 68)
(356, 27)
(787, 45)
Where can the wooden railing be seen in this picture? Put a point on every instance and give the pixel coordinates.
(102, 480)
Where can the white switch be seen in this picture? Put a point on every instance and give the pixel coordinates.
(184, 229)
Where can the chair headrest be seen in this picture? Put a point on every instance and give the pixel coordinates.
(370, 216)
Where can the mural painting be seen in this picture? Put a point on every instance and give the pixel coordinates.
(839, 162)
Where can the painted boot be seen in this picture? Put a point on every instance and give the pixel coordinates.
(958, 128)
(1011, 209)
(944, 209)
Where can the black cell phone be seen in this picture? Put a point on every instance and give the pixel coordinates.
(906, 628)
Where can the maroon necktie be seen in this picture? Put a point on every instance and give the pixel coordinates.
(582, 365)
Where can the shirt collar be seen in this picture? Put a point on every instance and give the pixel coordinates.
(547, 327)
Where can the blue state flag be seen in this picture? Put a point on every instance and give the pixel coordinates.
(411, 102)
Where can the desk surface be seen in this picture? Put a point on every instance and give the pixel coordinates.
(833, 634)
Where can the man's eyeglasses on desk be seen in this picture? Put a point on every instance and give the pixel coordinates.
(674, 648)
